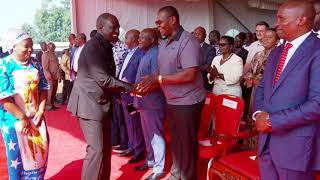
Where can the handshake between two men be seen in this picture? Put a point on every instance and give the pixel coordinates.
(147, 85)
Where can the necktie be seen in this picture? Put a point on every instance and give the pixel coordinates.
(282, 62)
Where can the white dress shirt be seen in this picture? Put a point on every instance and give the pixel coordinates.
(253, 49)
(76, 58)
(126, 61)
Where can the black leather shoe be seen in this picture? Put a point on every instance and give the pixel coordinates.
(155, 176)
(136, 159)
(126, 154)
(141, 168)
(120, 149)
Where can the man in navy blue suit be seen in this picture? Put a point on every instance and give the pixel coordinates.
(287, 101)
(128, 74)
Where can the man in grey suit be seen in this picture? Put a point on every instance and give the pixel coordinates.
(91, 96)
(208, 53)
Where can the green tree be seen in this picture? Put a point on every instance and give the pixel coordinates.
(53, 20)
(31, 30)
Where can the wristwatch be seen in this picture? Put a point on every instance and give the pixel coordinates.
(160, 79)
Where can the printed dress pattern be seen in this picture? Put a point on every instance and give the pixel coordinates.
(27, 155)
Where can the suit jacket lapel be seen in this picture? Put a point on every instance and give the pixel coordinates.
(296, 58)
(130, 61)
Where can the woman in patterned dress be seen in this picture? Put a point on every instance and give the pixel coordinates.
(23, 90)
(254, 75)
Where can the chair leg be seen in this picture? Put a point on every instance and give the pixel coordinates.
(209, 165)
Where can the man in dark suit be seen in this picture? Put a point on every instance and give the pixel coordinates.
(91, 95)
(208, 53)
(43, 46)
(287, 101)
(128, 74)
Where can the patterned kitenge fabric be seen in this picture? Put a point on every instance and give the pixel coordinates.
(27, 154)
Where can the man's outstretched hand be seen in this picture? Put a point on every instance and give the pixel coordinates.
(148, 84)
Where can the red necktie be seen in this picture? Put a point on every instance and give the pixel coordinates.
(282, 61)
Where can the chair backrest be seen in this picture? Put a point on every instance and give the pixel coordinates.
(228, 113)
(206, 115)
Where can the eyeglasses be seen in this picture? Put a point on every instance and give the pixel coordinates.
(223, 44)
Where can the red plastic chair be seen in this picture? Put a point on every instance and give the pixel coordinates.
(228, 112)
(243, 165)
(206, 114)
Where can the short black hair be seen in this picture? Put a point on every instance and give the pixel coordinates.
(242, 36)
(229, 39)
(171, 11)
(263, 23)
(215, 32)
(93, 33)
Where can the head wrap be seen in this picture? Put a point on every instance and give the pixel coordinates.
(11, 38)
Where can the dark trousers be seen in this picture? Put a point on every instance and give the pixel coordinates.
(66, 90)
(97, 163)
(52, 92)
(270, 171)
(246, 96)
(134, 130)
(184, 124)
(119, 135)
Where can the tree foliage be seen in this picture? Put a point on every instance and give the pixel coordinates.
(52, 21)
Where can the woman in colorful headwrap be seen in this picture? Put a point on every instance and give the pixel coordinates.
(23, 90)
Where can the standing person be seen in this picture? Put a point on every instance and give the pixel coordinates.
(23, 92)
(50, 65)
(132, 120)
(181, 81)
(287, 101)
(118, 135)
(261, 28)
(93, 33)
(151, 107)
(67, 84)
(248, 40)
(81, 40)
(91, 95)
(43, 46)
(208, 53)
(214, 38)
(238, 48)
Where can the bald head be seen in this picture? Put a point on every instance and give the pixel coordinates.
(294, 18)
(131, 38)
(148, 38)
(200, 34)
(108, 26)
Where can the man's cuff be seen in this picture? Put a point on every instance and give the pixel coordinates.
(254, 115)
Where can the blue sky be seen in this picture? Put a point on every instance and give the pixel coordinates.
(13, 13)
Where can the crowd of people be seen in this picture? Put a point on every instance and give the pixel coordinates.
(122, 93)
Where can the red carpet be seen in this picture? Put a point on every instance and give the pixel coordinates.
(67, 149)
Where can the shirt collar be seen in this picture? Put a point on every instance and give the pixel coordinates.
(132, 50)
(201, 44)
(296, 42)
(179, 33)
